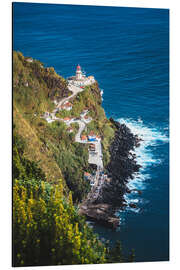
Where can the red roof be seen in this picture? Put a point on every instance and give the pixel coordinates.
(83, 137)
(68, 104)
(78, 67)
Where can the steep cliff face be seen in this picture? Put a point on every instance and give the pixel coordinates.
(120, 170)
(122, 165)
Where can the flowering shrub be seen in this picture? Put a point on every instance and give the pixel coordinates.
(50, 231)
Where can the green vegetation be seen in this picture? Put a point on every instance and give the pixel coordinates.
(36, 147)
(64, 113)
(34, 87)
(22, 167)
(49, 145)
(47, 229)
(57, 154)
(90, 98)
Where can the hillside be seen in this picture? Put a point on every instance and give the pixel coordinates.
(35, 89)
(50, 161)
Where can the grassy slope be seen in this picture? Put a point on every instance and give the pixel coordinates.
(32, 96)
(35, 150)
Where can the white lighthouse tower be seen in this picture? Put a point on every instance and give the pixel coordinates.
(78, 73)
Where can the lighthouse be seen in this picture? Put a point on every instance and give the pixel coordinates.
(78, 73)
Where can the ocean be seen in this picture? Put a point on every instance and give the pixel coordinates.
(127, 50)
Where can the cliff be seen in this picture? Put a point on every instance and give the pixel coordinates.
(54, 149)
(49, 165)
(120, 169)
(50, 145)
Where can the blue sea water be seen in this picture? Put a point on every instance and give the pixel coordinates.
(127, 50)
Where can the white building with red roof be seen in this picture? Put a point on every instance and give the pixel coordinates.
(83, 138)
(70, 129)
(80, 78)
(66, 106)
(67, 120)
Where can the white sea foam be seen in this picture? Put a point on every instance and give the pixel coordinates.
(151, 137)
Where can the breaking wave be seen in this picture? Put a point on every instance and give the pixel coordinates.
(102, 92)
(152, 137)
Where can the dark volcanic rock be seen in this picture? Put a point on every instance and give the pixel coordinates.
(132, 205)
(102, 213)
(122, 165)
(120, 169)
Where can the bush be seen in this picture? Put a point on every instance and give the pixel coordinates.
(23, 168)
(50, 232)
(73, 161)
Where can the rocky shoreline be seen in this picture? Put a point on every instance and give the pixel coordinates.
(120, 170)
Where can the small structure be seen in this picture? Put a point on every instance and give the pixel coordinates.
(92, 147)
(98, 137)
(47, 117)
(80, 78)
(79, 74)
(92, 136)
(46, 114)
(67, 120)
(87, 176)
(70, 129)
(29, 60)
(83, 138)
(66, 106)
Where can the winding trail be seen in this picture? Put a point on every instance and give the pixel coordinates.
(82, 126)
(94, 157)
(72, 88)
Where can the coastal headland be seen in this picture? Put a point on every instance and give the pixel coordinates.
(72, 138)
